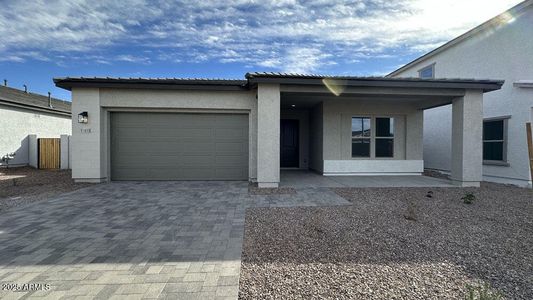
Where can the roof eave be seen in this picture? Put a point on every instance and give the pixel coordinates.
(220, 85)
(487, 86)
(254, 79)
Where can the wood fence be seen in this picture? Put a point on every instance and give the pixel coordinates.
(49, 153)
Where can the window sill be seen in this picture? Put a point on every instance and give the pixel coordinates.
(374, 158)
(496, 163)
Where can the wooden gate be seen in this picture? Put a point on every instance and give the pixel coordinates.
(49, 153)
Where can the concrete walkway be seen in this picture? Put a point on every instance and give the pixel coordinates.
(304, 179)
(133, 240)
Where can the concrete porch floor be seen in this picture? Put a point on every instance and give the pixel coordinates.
(304, 178)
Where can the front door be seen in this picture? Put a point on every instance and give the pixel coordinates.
(289, 144)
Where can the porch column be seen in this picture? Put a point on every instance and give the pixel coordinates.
(268, 118)
(467, 144)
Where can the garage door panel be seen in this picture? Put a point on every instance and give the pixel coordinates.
(131, 119)
(131, 132)
(124, 160)
(169, 147)
(231, 148)
(230, 173)
(180, 132)
(130, 173)
(185, 121)
(240, 121)
(230, 133)
(181, 161)
(184, 173)
(230, 160)
(178, 146)
(174, 161)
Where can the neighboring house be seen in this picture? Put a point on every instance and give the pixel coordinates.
(207, 129)
(501, 48)
(22, 114)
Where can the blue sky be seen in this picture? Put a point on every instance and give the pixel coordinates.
(43, 39)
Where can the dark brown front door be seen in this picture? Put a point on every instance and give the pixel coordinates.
(289, 144)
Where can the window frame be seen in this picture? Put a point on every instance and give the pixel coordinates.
(373, 137)
(393, 137)
(504, 142)
(432, 67)
(369, 138)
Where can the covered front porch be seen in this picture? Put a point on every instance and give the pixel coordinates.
(361, 131)
(310, 179)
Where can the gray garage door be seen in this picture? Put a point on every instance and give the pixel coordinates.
(179, 146)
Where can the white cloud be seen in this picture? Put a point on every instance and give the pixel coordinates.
(290, 35)
(132, 59)
(12, 58)
(298, 60)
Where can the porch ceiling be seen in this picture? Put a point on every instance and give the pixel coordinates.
(306, 91)
(305, 100)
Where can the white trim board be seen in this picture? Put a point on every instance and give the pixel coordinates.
(372, 174)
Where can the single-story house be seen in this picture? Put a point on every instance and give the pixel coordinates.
(23, 114)
(212, 129)
(500, 48)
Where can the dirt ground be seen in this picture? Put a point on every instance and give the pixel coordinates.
(392, 243)
(25, 185)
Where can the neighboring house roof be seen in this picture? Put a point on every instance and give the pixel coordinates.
(17, 98)
(490, 24)
(282, 78)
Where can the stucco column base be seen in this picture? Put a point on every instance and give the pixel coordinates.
(263, 185)
(466, 183)
(90, 180)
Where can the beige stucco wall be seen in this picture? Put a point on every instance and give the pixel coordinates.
(17, 123)
(328, 139)
(467, 131)
(337, 116)
(501, 53)
(90, 142)
(268, 129)
(86, 144)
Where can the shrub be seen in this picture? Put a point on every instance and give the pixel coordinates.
(468, 198)
(484, 292)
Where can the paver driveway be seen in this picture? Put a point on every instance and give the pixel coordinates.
(136, 240)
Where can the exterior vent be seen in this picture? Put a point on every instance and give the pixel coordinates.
(50, 100)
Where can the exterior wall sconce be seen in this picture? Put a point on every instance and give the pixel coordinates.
(83, 117)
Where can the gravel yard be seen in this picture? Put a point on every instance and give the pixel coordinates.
(19, 186)
(374, 250)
